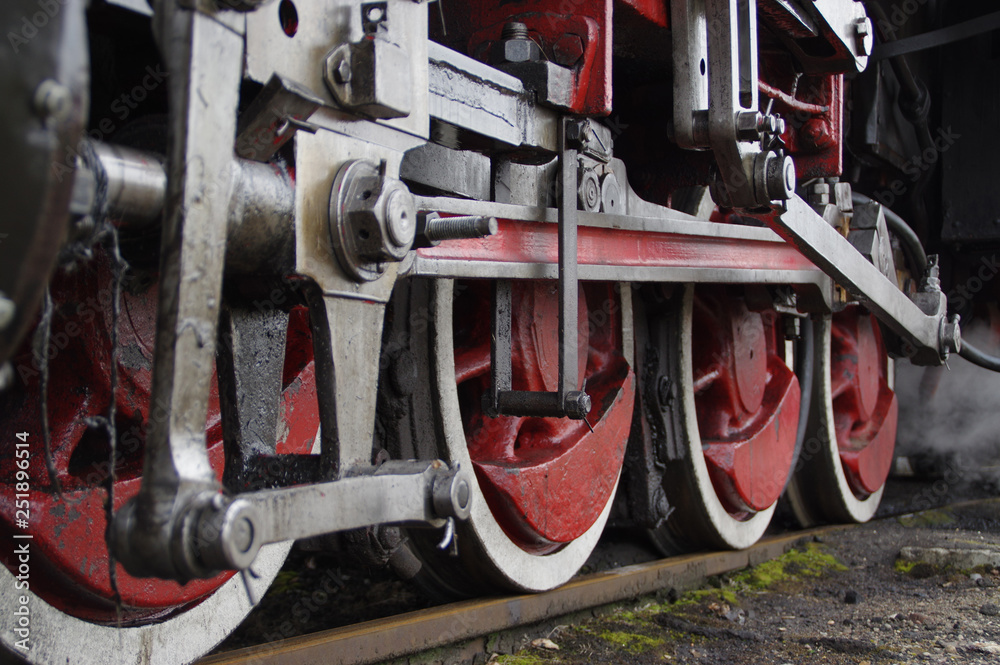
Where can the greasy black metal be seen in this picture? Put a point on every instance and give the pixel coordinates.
(326, 392)
(249, 361)
(934, 38)
(977, 357)
(654, 437)
(541, 404)
(805, 366)
(567, 402)
(270, 471)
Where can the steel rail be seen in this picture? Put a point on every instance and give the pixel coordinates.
(414, 632)
(405, 634)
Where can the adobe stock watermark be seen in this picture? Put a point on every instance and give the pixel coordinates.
(123, 106)
(960, 296)
(31, 24)
(917, 165)
(897, 16)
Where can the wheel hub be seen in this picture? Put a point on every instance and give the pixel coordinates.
(546, 480)
(747, 400)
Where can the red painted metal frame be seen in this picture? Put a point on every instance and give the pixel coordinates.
(571, 33)
(546, 480)
(536, 242)
(814, 118)
(655, 11)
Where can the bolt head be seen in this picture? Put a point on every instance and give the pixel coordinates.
(748, 125)
(400, 218)
(342, 71)
(568, 50)
(865, 39)
(521, 50)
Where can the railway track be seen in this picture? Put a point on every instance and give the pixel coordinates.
(413, 632)
(468, 623)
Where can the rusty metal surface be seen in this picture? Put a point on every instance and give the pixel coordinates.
(382, 639)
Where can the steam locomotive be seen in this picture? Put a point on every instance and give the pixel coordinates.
(459, 284)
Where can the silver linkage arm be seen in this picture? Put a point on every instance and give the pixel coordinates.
(922, 323)
(228, 533)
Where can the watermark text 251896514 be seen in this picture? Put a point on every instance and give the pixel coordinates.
(22, 541)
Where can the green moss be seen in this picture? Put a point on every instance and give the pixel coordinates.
(521, 659)
(903, 566)
(704, 596)
(927, 518)
(790, 567)
(634, 643)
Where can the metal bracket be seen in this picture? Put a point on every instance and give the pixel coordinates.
(567, 402)
(715, 101)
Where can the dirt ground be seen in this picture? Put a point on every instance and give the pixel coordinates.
(844, 598)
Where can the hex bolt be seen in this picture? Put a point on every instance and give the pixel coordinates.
(342, 71)
(52, 100)
(748, 125)
(7, 311)
(577, 405)
(435, 228)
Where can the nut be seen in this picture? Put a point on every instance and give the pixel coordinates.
(520, 50)
(748, 125)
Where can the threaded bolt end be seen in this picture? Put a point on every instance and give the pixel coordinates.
(453, 228)
(514, 30)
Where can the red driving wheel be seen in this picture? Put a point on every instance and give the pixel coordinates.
(847, 452)
(68, 529)
(747, 399)
(546, 480)
(732, 410)
(865, 409)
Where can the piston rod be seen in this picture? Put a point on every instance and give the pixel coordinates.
(260, 235)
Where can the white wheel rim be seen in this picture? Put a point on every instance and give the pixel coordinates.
(737, 534)
(528, 572)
